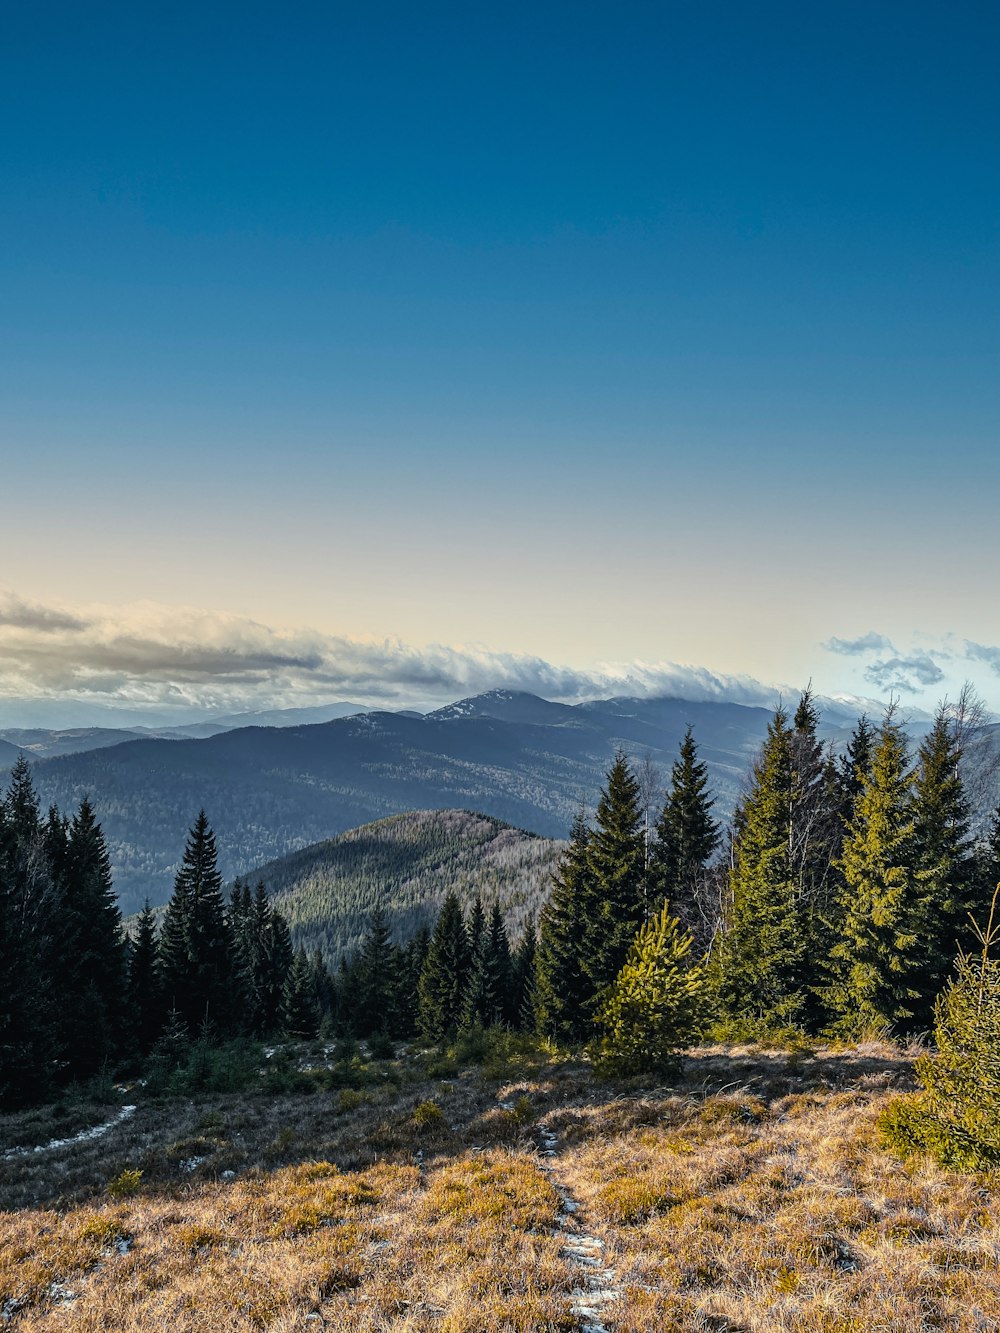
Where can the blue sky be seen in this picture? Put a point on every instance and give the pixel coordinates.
(594, 333)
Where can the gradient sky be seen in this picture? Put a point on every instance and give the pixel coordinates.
(594, 332)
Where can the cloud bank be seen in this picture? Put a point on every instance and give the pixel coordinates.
(148, 655)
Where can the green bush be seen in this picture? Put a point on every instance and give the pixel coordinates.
(956, 1118)
(656, 1005)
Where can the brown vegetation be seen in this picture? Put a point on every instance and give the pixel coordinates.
(750, 1194)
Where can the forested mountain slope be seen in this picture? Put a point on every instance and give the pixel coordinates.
(407, 864)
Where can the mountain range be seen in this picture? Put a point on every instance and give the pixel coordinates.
(269, 791)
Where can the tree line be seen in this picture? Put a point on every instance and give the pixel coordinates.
(837, 902)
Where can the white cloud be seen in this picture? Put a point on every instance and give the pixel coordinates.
(149, 654)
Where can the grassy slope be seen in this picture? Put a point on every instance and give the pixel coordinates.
(408, 863)
(749, 1195)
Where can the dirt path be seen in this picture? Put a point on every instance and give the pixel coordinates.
(598, 1285)
(94, 1132)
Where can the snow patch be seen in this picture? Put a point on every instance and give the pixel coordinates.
(95, 1132)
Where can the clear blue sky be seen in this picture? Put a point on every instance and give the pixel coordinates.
(597, 331)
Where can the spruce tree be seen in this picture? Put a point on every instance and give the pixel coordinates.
(377, 978)
(412, 957)
(562, 987)
(855, 765)
(815, 837)
(144, 989)
(28, 915)
(876, 955)
(299, 1011)
(89, 979)
(491, 975)
(686, 839)
(445, 974)
(617, 880)
(196, 950)
(521, 1012)
(657, 1004)
(945, 870)
(759, 963)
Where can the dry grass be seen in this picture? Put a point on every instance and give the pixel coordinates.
(750, 1195)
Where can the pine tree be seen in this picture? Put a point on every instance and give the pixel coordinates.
(956, 1117)
(815, 837)
(323, 986)
(196, 948)
(491, 978)
(945, 870)
(445, 974)
(855, 766)
(299, 1011)
(686, 839)
(28, 1049)
(521, 1013)
(89, 979)
(657, 1004)
(986, 867)
(476, 999)
(617, 880)
(562, 987)
(876, 954)
(412, 957)
(759, 963)
(377, 978)
(144, 989)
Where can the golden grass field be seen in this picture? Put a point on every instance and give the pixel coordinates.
(750, 1194)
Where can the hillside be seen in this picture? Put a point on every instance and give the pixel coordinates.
(414, 1194)
(407, 864)
(271, 791)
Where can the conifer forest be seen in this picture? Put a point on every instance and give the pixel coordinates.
(836, 903)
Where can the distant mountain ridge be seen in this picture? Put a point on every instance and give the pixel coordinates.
(271, 791)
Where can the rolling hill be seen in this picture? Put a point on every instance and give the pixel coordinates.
(407, 864)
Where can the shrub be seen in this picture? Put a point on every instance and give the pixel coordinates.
(125, 1184)
(956, 1118)
(656, 1005)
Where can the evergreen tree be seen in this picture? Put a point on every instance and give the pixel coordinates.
(521, 1012)
(272, 961)
(196, 949)
(144, 990)
(377, 978)
(323, 986)
(945, 870)
(300, 1010)
(759, 963)
(412, 957)
(490, 975)
(657, 1004)
(476, 1000)
(562, 987)
(89, 976)
(617, 880)
(875, 957)
(686, 839)
(986, 867)
(27, 930)
(815, 839)
(445, 974)
(855, 766)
